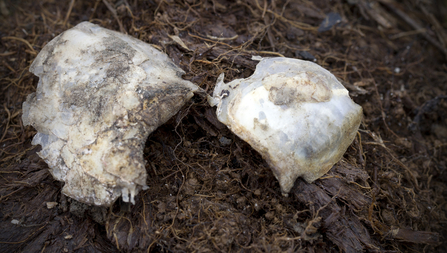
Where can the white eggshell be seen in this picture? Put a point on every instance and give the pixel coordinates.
(100, 94)
(296, 114)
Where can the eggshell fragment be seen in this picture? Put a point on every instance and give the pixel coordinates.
(296, 114)
(100, 94)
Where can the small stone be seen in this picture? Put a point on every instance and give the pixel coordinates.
(330, 21)
(305, 56)
(51, 205)
(225, 141)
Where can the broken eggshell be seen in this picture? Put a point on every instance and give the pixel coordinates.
(99, 96)
(296, 114)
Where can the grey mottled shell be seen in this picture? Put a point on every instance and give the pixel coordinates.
(100, 94)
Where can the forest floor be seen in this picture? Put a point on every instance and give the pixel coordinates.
(387, 194)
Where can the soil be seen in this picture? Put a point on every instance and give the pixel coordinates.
(209, 190)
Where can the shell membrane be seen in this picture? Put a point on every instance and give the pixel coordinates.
(296, 114)
(99, 96)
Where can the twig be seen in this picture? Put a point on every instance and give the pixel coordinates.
(94, 9)
(113, 11)
(22, 40)
(415, 25)
(381, 109)
(68, 13)
(7, 122)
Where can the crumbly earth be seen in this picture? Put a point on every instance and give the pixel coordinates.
(209, 190)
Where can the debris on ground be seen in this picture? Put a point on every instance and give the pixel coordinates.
(209, 191)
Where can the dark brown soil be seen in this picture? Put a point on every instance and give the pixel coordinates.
(387, 194)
